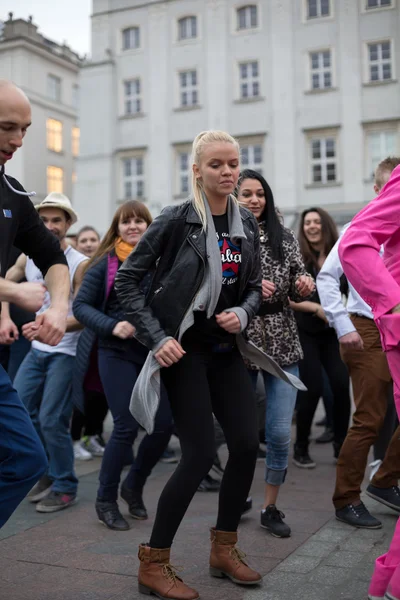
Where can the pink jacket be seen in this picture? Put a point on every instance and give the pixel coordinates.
(376, 280)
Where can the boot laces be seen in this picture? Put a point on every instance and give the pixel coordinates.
(170, 572)
(237, 555)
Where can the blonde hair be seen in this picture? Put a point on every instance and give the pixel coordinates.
(203, 139)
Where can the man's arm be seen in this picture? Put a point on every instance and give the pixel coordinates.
(72, 323)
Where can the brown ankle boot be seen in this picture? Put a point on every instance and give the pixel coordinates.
(228, 561)
(157, 576)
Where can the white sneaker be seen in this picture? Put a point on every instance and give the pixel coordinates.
(374, 466)
(80, 453)
(93, 446)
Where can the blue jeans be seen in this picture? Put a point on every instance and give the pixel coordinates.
(118, 375)
(44, 384)
(281, 401)
(22, 457)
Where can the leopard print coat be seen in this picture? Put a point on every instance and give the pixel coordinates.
(277, 334)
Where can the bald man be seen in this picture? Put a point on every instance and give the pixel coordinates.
(22, 458)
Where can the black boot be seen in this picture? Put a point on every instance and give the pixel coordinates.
(109, 515)
(209, 484)
(301, 458)
(134, 500)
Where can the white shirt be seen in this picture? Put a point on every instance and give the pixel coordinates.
(328, 285)
(69, 342)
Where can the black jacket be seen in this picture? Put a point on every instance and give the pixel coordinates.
(21, 226)
(177, 241)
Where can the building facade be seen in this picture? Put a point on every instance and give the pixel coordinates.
(309, 88)
(48, 73)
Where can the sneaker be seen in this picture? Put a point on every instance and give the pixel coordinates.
(248, 505)
(55, 501)
(217, 466)
(272, 521)
(388, 596)
(40, 490)
(374, 466)
(325, 438)
(322, 423)
(169, 456)
(92, 445)
(358, 516)
(302, 459)
(261, 454)
(209, 484)
(388, 496)
(80, 452)
(134, 500)
(109, 515)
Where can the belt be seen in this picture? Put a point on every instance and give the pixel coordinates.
(270, 308)
(360, 316)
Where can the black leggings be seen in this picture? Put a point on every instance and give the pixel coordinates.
(322, 350)
(90, 423)
(201, 383)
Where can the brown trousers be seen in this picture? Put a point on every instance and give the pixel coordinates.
(371, 379)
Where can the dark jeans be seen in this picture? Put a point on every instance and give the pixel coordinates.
(118, 376)
(22, 456)
(90, 423)
(12, 356)
(322, 350)
(200, 384)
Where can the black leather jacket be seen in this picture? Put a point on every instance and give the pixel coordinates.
(177, 241)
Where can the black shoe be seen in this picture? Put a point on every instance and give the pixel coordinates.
(322, 422)
(109, 515)
(388, 496)
(248, 505)
(337, 446)
(326, 437)
(272, 520)
(261, 454)
(41, 489)
(209, 485)
(169, 456)
(100, 440)
(134, 500)
(302, 459)
(217, 466)
(358, 516)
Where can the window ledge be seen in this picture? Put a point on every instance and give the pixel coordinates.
(308, 20)
(57, 152)
(247, 30)
(130, 51)
(249, 100)
(320, 91)
(187, 108)
(123, 200)
(310, 186)
(138, 115)
(185, 41)
(380, 82)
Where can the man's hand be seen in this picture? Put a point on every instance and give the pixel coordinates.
(268, 288)
(8, 331)
(170, 353)
(124, 330)
(29, 296)
(48, 328)
(351, 341)
(305, 285)
(229, 321)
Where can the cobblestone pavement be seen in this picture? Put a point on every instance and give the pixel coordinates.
(70, 556)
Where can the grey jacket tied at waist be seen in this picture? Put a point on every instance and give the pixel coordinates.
(146, 393)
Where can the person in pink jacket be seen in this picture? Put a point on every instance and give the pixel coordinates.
(378, 283)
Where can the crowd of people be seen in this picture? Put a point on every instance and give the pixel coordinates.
(144, 323)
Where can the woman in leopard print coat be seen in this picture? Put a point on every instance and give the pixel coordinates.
(275, 331)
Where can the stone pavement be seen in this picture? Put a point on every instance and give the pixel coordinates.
(70, 556)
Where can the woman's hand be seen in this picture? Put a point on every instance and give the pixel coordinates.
(171, 352)
(124, 330)
(319, 312)
(305, 285)
(268, 288)
(229, 321)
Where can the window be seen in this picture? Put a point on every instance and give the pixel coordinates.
(54, 133)
(252, 157)
(133, 178)
(187, 28)
(321, 70)
(323, 159)
(317, 9)
(76, 134)
(249, 79)
(380, 61)
(131, 38)
(183, 172)
(247, 17)
(377, 3)
(189, 95)
(75, 96)
(54, 88)
(55, 180)
(380, 145)
(132, 97)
